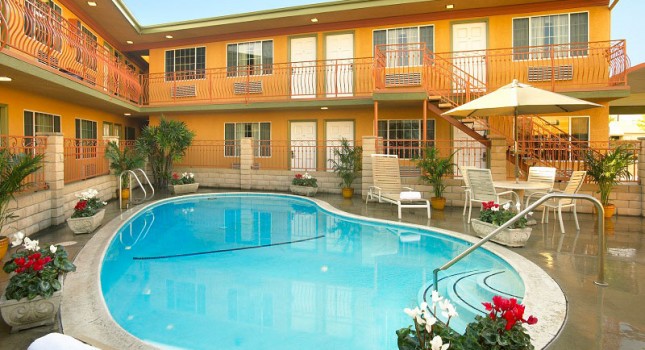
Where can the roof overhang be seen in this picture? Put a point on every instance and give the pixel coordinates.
(635, 102)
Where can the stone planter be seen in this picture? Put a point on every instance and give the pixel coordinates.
(24, 313)
(87, 224)
(183, 189)
(303, 190)
(510, 237)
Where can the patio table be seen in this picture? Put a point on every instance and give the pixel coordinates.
(520, 186)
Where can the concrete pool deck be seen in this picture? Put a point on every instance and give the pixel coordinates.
(598, 318)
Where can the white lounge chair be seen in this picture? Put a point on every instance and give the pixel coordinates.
(387, 185)
(575, 182)
(482, 188)
(466, 185)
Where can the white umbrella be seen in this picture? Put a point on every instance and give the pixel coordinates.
(515, 99)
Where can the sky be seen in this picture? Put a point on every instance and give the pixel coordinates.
(626, 16)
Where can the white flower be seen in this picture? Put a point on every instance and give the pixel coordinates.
(436, 297)
(191, 175)
(412, 312)
(420, 320)
(530, 214)
(104, 203)
(437, 343)
(494, 209)
(506, 206)
(16, 238)
(306, 176)
(430, 321)
(423, 306)
(53, 248)
(450, 311)
(518, 206)
(31, 245)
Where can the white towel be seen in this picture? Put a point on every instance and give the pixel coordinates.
(410, 195)
(57, 341)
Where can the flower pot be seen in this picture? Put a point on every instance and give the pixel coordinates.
(303, 190)
(438, 203)
(610, 210)
(125, 193)
(183, 189)
(24, 313)
(4, 245)
(510, 237)
(348, 192)
(86, 224)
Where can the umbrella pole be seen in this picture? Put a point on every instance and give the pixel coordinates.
(517, 164)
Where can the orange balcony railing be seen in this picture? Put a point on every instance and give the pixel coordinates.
(33, 31)
(280, 81)
(19, 146)
(211, 154)
(84, 159)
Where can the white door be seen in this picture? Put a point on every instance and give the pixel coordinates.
(339, 54)
(469, 46)
(303, 146)
(336, 131)
(303, 67)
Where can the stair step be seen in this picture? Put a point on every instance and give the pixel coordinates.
(434, 98)
(445, 105)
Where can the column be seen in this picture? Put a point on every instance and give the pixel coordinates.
(497, 157)
(54, 167)
(246, 160)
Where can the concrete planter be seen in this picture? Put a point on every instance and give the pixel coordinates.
(510, 237)
(183, 189)
(87, 224)
(24, 313)
(303, 190)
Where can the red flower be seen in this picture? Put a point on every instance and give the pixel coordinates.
(488, 306)
(298, 176)
(175, 176)
(532, 320)
(80, 206)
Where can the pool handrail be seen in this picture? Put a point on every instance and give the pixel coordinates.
(602, 242)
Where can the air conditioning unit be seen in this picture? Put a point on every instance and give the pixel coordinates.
(403, 79)
(48, 60)
(250, 87)
(543, 73)
(183, 91)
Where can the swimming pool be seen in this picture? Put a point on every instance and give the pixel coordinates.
(244, 271)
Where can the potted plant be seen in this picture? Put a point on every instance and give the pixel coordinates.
(183, 184)
(346, 163)
(433, 168)
(305, 185)
(493, 215)
(33, 295)
(607, 170)
(121, 161)
(14, 169)
(88, 212)
(164, 144)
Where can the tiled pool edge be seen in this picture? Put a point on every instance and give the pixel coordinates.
(83, 310)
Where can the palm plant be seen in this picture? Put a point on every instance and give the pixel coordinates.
(164, 144)
(434, 168)
(346, 163)
(121, 161)
(13, 171)
(608, 169)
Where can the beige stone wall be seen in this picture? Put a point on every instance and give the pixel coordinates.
(105, 185)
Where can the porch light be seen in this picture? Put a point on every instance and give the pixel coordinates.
(3, 78)
(130, 42)
(91, 3)
(168, 36)
(450, 7)
(314, 20)
(324, 108)
(127, 114)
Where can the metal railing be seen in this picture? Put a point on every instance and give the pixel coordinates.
(84, 159)
(601, 235)
(27, 145)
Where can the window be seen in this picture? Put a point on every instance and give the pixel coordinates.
(573, 129)
(532, 34)
(130, 133)
(186, 64)
(36, 122)
(87, 54)
(40, 20)
(260, 132)
(107, 128)
(86, 138)
(252, 58)
(117, 130)
(407, 52)
(403, 137)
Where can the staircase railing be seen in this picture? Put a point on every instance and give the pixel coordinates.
(601, 235)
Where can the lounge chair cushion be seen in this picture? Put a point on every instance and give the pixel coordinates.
(408, 195)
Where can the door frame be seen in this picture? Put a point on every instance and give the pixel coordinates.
(315, 36)
(486, 23)
(324, 54)
(4, 119)
(326, 121)
(315, 121)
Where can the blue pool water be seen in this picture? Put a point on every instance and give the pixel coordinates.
(254, 271)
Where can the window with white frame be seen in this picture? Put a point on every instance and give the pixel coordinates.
(532, 35)
(406, 49)
(39, 21)
(249, 58)
(36, 122)
(186, 64)
(404, 137)
(260, 132)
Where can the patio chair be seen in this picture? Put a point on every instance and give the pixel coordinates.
(387, 185)
(466, 186)
(540, 174)
(575, 182)
(482, 188)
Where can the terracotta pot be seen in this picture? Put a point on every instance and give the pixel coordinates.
(4, 245)
(87, 224)
(511, 237)
(438, 203)
(303, 190)
(24, 313)
(125, 193)
(610, 210)
(348, 192)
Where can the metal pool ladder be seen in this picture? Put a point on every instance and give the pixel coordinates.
(133, 174)
(601, 236)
